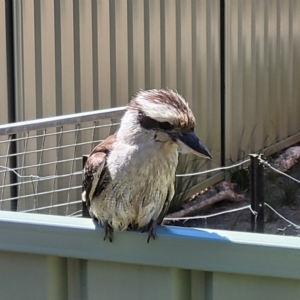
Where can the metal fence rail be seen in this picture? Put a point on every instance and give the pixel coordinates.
(41, 160)
(72, 262)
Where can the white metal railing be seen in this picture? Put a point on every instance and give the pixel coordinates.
(41, 160)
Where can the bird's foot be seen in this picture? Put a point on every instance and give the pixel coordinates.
(151, 228)
(108, 232)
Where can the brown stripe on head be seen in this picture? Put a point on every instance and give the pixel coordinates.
(163, 106)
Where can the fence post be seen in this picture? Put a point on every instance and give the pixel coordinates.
(85, 212)
(257, 193)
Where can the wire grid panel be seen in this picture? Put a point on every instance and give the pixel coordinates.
(41, 169)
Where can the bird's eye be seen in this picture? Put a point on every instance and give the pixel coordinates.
(165, 126)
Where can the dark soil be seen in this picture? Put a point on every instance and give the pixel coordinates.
(281, 193)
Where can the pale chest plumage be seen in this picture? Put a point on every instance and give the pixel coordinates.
(142, 179)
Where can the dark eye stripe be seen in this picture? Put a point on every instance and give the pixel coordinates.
(149, 123)
(166, 126)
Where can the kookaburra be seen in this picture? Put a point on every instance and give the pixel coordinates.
(129, 178)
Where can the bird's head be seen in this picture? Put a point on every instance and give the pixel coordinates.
(167, 114)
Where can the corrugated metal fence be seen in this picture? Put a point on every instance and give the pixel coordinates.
(237, 62)
(262, 100)
(4, 93)
(75, 56)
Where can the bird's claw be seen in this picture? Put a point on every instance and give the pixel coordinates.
(108, 232)
(151, 228)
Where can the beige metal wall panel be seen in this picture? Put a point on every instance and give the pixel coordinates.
(4, 176)
(294, 101)
(82, 55)
(66, 65)
(3, 66)
(262, 63)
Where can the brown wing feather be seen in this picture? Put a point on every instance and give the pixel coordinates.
(94, 168)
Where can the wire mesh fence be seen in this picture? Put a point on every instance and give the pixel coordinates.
(41, 163)
(41, 160)
(257, 205)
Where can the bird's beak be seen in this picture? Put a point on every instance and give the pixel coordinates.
(189, 143)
